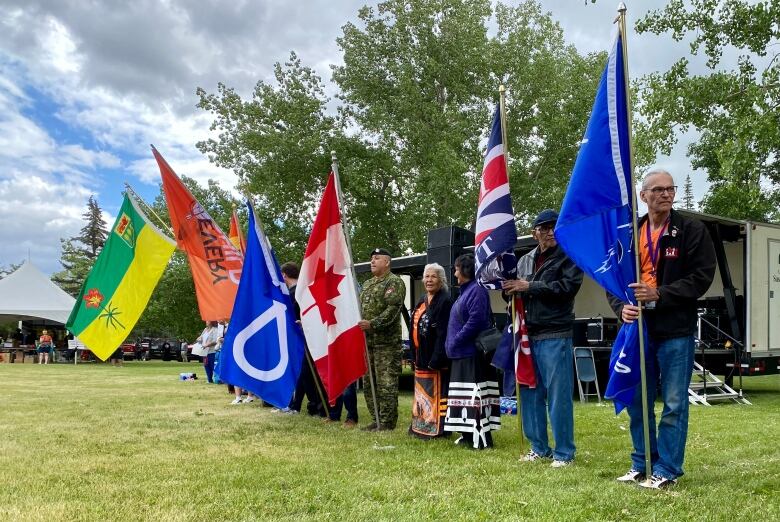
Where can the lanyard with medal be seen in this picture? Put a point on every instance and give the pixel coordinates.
(654, 251)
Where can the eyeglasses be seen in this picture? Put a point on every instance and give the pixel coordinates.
(544, 229)
(657, 191)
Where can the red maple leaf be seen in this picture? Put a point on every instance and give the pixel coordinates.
(93, 298)
(324, 288)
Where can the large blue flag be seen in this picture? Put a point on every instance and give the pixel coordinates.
(495, 232)
(594, 227)
(263, 347)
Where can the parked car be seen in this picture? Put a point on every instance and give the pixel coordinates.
(128, 351)
(165, 349)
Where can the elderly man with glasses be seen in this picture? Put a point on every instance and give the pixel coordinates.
(677, 264)
(548, 281)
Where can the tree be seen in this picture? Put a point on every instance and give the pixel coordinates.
(735, 110)
(421, 78)
(278, 143)
(93, 235)
(688, 202)
(79, 252)
(417, 90)
(173, 307)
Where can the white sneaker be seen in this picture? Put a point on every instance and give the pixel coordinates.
(531, 456)
(632, 475)
(237, 400)
(657, 482)
(249, 399)
(561, 463)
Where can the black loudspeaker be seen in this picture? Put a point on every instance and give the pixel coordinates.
(444, 255)
(450, 236)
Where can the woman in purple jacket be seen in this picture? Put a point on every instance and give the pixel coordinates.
(473, 401)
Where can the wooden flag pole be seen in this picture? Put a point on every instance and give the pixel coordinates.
(502, 112)
(345, 226)
(621, 19)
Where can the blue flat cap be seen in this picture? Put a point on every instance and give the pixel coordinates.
(547, 215)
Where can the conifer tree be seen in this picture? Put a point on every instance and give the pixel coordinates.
(79, 252)
(688, 202)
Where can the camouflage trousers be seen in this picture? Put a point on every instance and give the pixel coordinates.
(385, 362)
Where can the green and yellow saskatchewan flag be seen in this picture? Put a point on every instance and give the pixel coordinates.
(120, 283)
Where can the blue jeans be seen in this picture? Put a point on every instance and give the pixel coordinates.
(671, 362)
(554, 368)
(347, 400)
(208, 365)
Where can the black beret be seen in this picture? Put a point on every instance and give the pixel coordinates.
(380, 252)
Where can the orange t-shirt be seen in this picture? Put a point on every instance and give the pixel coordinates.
(645, 263)
(45, 339)
(417, 314)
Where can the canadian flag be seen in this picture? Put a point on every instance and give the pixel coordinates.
(524, 363)
(327, 296)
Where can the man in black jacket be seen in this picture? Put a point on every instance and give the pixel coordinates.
(548, 281)
(677, 264)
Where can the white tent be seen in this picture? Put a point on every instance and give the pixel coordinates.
(27, 294)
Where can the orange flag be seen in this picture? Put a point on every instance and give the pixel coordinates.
(235, 234)
(214, 261)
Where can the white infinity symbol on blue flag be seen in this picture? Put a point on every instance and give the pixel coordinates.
(276, 312)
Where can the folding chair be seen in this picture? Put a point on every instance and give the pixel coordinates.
(586, 372)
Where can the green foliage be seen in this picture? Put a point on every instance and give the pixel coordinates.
(417, 91)
(736, 111)
(279, 146)
(95, 442)
(173, 307)
(550, 96)
(79, 252)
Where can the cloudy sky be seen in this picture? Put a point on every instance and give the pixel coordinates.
(86, 86)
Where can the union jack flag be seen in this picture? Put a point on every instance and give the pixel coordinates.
(513, 356)
(524, 363)
(495, 230)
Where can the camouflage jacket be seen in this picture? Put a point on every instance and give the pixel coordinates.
(380, 302)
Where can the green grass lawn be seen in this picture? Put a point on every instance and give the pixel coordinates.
(95, 442)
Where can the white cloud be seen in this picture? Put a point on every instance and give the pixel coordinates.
(35, 214)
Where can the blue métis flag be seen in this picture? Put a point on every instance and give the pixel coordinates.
(594, 227)
(495, 234)
(263, 348)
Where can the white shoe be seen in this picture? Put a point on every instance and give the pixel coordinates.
(249, 399)
(658, 482)
(531, 456)
(632, 475)
(237, 400)
(561, 463)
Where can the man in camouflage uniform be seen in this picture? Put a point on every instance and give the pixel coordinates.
(380, 303)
